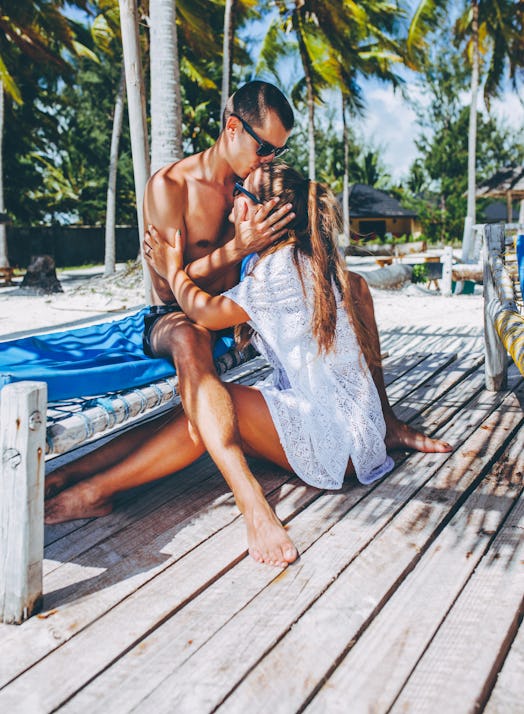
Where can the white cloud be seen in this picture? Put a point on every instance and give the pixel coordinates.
(390, 123)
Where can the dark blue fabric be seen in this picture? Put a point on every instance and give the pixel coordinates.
(88, 360)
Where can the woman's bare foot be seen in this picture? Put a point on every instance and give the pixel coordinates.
(400, 435)
(80, 501)
(267, 538)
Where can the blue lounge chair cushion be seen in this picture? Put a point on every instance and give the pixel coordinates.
(87, 361)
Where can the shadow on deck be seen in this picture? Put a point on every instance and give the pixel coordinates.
(407, 596)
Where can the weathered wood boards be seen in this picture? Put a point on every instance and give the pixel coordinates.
(165, 612)
(22, 439)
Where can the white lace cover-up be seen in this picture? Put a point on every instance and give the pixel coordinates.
(325, 408)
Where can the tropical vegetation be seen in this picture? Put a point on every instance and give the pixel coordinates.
(66, 142)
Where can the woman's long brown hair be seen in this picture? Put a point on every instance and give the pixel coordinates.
(314, 233)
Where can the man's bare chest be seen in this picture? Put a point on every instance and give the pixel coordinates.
(207, 225)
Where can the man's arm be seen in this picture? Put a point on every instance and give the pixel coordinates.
(164, 201)
(252, 235)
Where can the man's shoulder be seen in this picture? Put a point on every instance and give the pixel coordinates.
(172, 178)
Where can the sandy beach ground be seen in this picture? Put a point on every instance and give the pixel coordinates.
(89, 296)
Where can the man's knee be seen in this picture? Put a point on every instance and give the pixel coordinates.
(191, 345)
(176, 335)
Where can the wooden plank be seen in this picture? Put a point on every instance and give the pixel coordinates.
(419, 375)
(221, 658)
(148, 606)
(66, 617)
(400, 633)
(244, 642)
(22, 443)
(199, 486)
(127, 619)
(398, 366)
(457, 671)
(86, 536)
(506, 697)
(423, 398)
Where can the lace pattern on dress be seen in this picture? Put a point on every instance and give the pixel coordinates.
(326, 409)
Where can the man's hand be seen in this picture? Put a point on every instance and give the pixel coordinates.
(255, 230)
(165, 258)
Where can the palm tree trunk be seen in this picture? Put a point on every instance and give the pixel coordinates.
(166, 102)
(4, 260)
(227, 55)
(472, 134)
(110, 246)
(136, 107)
(345, 189)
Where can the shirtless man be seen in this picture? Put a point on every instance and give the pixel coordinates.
(195, 196)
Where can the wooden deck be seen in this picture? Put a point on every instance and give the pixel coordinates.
(407, 596)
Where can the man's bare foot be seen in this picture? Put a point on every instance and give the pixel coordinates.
(80, 501)
(61, 478)
(267, 538)
(400, 435)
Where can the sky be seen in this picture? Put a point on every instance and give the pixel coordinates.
(390, 122)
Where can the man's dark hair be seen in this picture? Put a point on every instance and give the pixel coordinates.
(253, 101)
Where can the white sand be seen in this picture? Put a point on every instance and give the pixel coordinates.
(88, 297)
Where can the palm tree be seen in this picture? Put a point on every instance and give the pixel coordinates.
(166, 100)
(38, 30)
(106, 33)
(493, 29)
(336, 42)
(136, 106)
(304, 21)
(227, 62)
(235, 12)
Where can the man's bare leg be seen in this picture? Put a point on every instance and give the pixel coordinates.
(209, 407)
(399, 435)
(169, 448)
(102, 457)
(173, 447)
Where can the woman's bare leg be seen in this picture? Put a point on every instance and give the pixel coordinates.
(267, 538)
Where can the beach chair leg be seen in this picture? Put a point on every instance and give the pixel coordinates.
(23, 407)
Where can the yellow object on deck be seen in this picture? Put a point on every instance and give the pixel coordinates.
(510, 328)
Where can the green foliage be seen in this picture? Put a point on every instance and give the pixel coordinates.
(437, 183)
(419, 273)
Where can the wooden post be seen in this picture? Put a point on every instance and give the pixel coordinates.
(447, 267)
(496, 364)
(22, 446)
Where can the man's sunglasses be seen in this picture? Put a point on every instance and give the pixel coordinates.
(264, 147)
(238, 188)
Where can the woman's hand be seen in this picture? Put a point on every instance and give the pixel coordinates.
(164, 257)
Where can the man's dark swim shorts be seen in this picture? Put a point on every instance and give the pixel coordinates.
(155, 313)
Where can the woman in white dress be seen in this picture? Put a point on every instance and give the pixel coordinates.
(318, 414)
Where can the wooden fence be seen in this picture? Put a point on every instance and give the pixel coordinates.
(503, 323)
